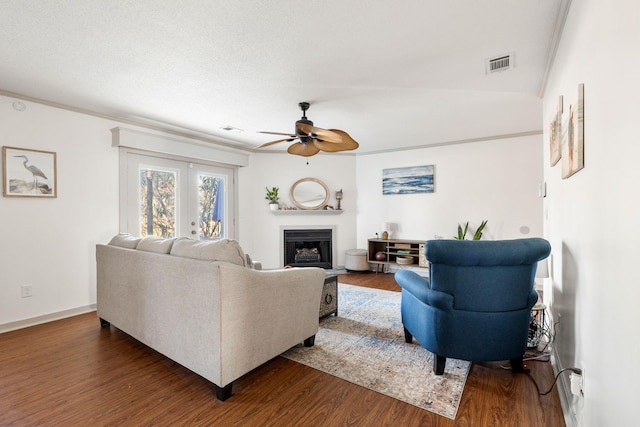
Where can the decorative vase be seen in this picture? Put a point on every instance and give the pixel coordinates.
(380, 256)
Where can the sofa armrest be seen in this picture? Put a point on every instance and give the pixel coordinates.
(419, 287)
(264, 313)
(255, 265)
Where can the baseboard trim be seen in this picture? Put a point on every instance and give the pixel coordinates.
(564, 392)
(45, 318)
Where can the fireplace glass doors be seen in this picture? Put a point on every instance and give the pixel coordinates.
(308, 248)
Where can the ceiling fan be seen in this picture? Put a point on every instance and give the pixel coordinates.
(311, 139)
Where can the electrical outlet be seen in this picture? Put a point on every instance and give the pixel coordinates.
(577, 385)
(27, 291)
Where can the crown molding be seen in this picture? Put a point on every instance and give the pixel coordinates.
(168, 128)
(563, 12)
(455, 142)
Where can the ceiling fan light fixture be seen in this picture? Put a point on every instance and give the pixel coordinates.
(304, 136)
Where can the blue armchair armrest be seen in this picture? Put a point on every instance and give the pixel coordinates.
(419, 287)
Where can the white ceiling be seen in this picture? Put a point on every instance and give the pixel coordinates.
(394, 74)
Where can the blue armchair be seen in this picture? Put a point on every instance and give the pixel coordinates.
(477, 302)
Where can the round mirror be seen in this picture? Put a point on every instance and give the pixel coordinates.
(309, 193)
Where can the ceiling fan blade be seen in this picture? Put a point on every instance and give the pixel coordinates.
(301, 149)
(279, 133)
(348, 143)
(275, 142)
(329, 147)
(323, 134)
(332, 147)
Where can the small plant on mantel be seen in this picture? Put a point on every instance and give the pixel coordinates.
(272, 197)
(462, 232)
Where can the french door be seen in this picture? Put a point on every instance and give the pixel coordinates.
(175, 198)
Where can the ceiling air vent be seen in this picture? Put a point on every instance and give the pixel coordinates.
(500, 63)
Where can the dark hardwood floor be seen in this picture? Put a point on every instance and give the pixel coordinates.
(73, 373)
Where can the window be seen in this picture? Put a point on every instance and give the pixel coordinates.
(176, 198)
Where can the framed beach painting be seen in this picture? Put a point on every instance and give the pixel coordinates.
(408, 180)
(29, 173)
(573, 137)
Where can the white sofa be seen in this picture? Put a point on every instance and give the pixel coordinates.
(203, 306)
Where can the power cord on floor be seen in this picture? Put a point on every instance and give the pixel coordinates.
(575, 370)
(542, 357)
(531, 356)
(544, 332)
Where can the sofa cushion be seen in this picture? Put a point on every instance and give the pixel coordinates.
(155, 244)
(125, 240)
(212, 250)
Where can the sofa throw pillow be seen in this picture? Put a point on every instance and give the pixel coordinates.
(213, 250)
(125, 240)
(155, 244)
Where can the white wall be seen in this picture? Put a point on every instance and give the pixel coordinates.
(495, 180)
(50, 243)
(260, 228)
(592, 216)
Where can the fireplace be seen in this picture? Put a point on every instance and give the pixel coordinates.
(308, 248)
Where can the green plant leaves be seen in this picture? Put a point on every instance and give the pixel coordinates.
(272, 195)
(462, 232)
(478, 233)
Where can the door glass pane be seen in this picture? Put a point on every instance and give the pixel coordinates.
(157, 203)
(211, 207)
(173, 198)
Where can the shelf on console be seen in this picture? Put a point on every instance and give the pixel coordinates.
(397, 252)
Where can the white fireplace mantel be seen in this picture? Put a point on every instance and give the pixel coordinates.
(307, 212)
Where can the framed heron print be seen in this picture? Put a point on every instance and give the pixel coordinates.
(29, 173)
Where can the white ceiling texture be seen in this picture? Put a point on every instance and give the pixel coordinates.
(394, 74)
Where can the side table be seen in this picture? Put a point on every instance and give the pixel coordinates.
(537, 326)
(329, 300)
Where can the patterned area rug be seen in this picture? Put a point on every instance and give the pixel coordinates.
(365, 345)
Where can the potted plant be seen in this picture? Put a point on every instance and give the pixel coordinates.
(462, 232)
(272, 197)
